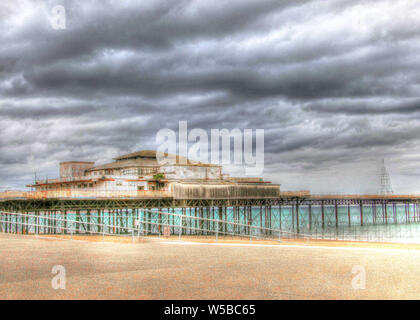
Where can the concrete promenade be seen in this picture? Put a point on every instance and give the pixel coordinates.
(167, 269)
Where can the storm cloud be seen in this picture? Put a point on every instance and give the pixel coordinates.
(334, 84)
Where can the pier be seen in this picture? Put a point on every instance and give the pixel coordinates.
(291, 215)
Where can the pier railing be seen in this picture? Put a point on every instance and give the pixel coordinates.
(326, 196)
(76, 194)
(152, 223)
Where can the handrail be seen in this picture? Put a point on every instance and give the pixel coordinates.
(68, 193)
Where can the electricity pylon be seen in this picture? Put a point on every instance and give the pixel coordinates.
(386, 186)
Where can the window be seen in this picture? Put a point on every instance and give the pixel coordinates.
(132, 171)
(147, 171)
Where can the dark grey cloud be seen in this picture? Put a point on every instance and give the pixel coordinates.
(373, 107)
(334, 84)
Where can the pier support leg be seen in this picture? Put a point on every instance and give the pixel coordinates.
(249, 220)
(407, 208)
(225, 219)
(394, 212)
(310, 217)
(219, 225)
(149, 225)
(100, 221)
(385, 212)
(64, 222)
(373, 213)
(89, 220)
(336, 215)
(280, 212)
(349, 214)
(77, 227)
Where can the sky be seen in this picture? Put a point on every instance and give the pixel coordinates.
(334, 84)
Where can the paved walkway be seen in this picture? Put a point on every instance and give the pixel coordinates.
(173, 270)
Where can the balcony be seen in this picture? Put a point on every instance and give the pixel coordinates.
(63, 180)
